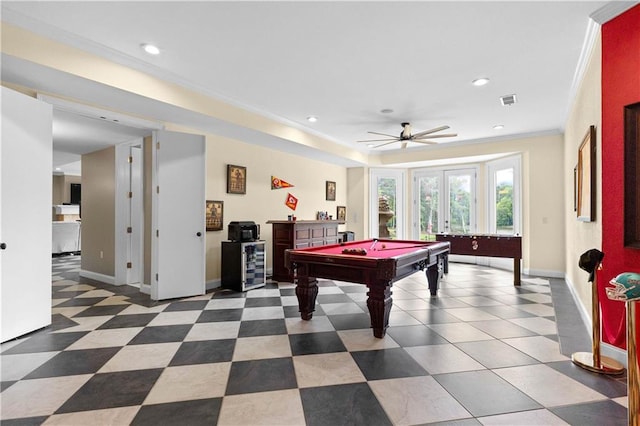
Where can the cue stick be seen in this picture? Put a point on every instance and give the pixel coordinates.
(399, 248)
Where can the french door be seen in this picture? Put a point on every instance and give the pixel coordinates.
(444, 201)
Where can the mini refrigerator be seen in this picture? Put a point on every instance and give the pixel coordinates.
(243, 265)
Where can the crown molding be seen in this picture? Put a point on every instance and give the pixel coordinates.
(611, 10)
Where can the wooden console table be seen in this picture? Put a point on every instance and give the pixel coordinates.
(297, 234)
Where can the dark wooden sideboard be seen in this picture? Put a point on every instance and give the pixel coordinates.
(296, 234)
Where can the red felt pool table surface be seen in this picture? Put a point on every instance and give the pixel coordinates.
(380, 250)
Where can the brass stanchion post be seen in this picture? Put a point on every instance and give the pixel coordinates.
(593, 361)
(633, 370)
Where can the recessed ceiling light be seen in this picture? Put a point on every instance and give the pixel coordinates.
(370, 145)
(312, 119)
(480, 81)
(150, 49)
(386, 111)
(498, 127)
(58, 169)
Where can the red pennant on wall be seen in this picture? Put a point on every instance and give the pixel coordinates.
(277, 183)
(292, 202)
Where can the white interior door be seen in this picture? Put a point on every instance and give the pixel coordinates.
(178, 217)
(136, 217)
(25, 214)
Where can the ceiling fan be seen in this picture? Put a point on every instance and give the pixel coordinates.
(406, 136)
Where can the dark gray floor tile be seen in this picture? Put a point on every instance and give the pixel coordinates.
(602, 413)
(261, 376)
(77, 301)
(111, 390)
(483, 393)
(287, 292)
(193, 413)
(227, 294)
(259, 302)
(70, 363)
(125, 321)
(187, 305)
(353, 404)
(350, 321)
(316, 343)
(262, 328)
(6, 385)
(220, 315)
(387, 364)
(45, 342)
(97, 311)
(60, 322)
(204, 352)
(333, 298)
(161, 334)
(27, 421)
(415, 335)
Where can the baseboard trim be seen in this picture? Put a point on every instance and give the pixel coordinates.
(544, 273)
(107, 279)
(213, 284)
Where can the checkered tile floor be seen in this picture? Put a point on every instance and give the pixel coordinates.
(482, 352)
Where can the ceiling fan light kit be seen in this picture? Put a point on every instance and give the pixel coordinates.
(406, 136)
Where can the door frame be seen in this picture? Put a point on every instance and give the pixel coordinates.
(124, 214)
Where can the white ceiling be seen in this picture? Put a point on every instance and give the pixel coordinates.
(340, 61)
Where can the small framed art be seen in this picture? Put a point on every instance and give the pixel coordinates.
(236, 179)
(341, 213)
(330, 191)
(213, 215)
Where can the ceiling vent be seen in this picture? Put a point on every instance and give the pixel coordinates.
(508, 100)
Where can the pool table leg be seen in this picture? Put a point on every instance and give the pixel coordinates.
(379, 303)
(307, 291)
(433, 274)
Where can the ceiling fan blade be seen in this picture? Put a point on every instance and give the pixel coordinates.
(426, 132)
(424, 141)
(383, 144)
(383, 134)
(380, 140)
(447, 135)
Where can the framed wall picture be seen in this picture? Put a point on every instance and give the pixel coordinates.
(341, 213)
(236, 179)
(586, 203)
(331, 190)
(213, 215)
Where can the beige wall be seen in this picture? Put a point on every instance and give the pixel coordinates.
(582, 236)
(62, 188)
(98, 212)
(261, 203)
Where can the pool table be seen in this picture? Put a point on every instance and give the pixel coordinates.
(376, 263)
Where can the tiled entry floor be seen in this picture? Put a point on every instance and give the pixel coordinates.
(482, 352)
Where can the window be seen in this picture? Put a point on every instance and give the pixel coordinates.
(387, 204)
(504, 196)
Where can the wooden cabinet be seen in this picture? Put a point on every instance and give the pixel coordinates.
(298, 234)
